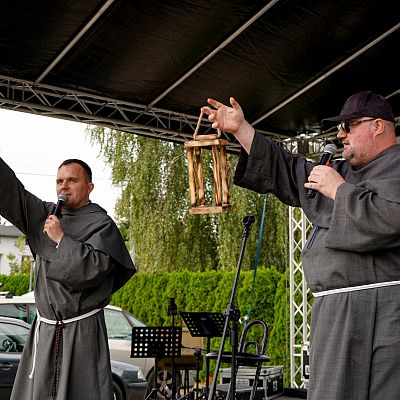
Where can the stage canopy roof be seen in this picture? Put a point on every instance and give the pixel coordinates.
(147, 66)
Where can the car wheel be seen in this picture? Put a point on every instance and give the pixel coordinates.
(164, 383)
(117, 392)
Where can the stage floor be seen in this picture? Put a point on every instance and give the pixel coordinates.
(288, 394)
(291, 394)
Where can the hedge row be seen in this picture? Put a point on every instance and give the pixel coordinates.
(147, 296)
(15, 284)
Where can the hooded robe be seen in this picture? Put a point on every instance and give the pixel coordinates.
(90, 263)
(355, 240)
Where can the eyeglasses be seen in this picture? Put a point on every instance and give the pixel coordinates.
(346, 125)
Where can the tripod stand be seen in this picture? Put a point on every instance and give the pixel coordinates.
(172, 311)
(203, 324)
(157, 342)
(232, 315)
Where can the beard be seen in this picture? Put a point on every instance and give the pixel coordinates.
(356, 157)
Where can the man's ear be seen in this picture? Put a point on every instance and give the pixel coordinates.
(379, 126)
(90, 187)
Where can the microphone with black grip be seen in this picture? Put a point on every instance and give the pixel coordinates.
(329, 152)
(62, 198)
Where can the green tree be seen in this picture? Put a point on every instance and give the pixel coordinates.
(153, 210)
(19, 264)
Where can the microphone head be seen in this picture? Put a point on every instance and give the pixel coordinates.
(63, 198)
(330, 148)
(248, 219)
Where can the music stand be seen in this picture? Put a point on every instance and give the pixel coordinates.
(204, 324)
(157, 342)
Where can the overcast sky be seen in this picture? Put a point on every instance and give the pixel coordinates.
(34, 146)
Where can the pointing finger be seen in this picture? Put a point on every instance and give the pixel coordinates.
(214, 103)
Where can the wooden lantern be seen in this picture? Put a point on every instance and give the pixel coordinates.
(196, 178)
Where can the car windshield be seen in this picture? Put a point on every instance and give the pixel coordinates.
(134, 322)
(118, 326)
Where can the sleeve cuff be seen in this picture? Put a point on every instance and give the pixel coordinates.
(59, 242)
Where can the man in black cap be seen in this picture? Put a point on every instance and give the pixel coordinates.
(352, 258)
(361, 108)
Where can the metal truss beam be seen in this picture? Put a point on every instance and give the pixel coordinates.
(62, 103)
(52, 101)
(300, 308)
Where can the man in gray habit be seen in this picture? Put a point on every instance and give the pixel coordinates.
(352, 258)
(81, 259)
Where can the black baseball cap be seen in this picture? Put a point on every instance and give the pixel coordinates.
(364, 104)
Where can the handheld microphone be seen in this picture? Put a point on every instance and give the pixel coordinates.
(62, 198)
(329, 152)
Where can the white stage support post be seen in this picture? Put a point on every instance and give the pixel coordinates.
(300, 308)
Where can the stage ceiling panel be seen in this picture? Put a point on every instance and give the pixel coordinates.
(147, 67)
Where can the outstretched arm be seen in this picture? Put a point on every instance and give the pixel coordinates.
(231, 120)
(17, 205)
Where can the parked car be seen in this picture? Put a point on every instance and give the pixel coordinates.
(119, 325)
(128, 380)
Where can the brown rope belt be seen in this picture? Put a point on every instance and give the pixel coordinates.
(59, 327)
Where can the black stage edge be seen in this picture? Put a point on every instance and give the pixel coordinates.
(292, 393)
(287, 394)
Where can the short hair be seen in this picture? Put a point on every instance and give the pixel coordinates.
(81, 163)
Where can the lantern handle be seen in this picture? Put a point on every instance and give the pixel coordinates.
(198, 127)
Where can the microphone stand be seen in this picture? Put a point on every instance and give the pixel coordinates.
(172, 311)
(232, 314)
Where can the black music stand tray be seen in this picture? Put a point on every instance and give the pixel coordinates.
(204, 324)
(157, 342)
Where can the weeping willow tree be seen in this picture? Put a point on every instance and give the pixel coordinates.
(153, 210)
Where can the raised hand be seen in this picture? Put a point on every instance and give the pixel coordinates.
(228, 119)
(231, 120)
